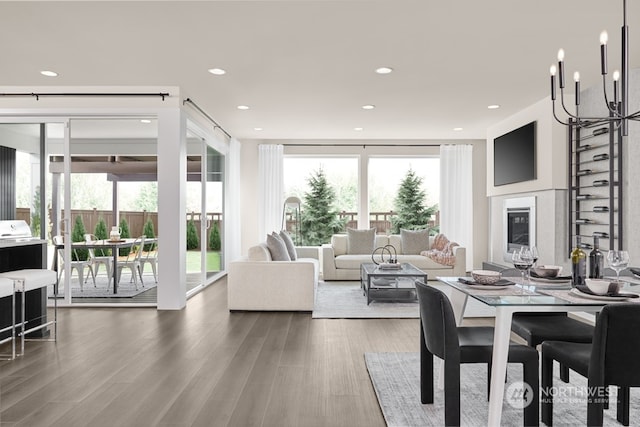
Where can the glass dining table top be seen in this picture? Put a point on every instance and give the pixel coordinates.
(531, 295)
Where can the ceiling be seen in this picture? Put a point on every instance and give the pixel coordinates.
(306, 68)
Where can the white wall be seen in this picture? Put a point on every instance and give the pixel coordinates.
(249, 175)
(549, 187)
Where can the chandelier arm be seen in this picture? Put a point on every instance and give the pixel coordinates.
(555, 116)
(606, 99)
(565, 108)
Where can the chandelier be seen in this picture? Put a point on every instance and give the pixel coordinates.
(618, 108)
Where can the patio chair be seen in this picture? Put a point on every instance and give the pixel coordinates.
(150, 256)
(77, 265)
(132, 261)
(97, 260)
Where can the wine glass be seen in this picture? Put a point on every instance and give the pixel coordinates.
(534, 254)
(522, 260)
(618, 261)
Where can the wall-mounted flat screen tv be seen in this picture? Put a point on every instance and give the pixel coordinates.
(514, 156)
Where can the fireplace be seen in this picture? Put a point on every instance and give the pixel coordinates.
(519, 224)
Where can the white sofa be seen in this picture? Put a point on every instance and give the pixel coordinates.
(256, 282)
(337, 264)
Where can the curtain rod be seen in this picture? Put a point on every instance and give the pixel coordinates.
(163, 95)
(361, 145)
(201, 111)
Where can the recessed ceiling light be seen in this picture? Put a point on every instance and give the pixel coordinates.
(145, 121)
(368, 107)
(358, 129)
(243, 107)
(384, 70)
(457, 129)
(493, 107)
(217, 71)
(258, 129)
(49, 73)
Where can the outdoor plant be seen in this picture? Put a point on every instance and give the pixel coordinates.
(77, 235)
(35, 213)
(149, 232)
(192, 236)
(412, 214)
(124, 234)
(319, 218)
(214, 238)
(101, 234)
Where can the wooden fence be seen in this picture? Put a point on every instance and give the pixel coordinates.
(380, 220)
(135, 219)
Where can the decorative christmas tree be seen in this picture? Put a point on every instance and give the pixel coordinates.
(77, 235)
(319, 218)
(412, 214)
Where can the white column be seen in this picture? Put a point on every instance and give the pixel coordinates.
(172, 229)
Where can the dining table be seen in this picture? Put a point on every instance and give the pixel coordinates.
(521, 296)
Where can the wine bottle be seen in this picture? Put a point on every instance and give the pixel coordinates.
(578, 265)
(596, 260)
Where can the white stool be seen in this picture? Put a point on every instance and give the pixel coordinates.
(30, 279)
(7, 289)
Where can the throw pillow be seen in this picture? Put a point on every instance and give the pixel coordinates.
(414, 241)
(277, 248)
(288, 242)
(361, 241)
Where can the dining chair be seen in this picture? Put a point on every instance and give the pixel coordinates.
(97, 260)
(77, 265)
(440, 336)
(132, 261)
(611, 359)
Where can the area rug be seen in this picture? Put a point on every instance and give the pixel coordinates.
(345, 300)
(104, 289)
(396, 381)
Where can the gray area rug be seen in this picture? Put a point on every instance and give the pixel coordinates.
(345, 300)
(396, 381)
(104, 289)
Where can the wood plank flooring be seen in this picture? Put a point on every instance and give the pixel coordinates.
(202, 366)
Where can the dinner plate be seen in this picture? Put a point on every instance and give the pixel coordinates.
(577, 293)
(554, 281)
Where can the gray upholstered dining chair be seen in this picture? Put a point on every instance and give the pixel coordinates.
(440, 336)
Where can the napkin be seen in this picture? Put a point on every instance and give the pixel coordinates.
(501, 282)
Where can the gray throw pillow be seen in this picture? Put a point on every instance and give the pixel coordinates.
(361, 241)
(277, 248)
(288, 242)
(414, 241)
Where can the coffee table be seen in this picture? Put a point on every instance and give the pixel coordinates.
(392, 284)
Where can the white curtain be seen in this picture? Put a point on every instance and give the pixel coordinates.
(271, 188)
(232, 210)
(456, 198)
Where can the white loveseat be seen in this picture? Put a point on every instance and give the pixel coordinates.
(256, 282)
(337, 264)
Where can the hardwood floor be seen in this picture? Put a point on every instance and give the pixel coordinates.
(202, 366)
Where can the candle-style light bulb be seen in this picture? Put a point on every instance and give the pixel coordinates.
(616, 75)
(561, 55)
(553, 69)
(576, 78)
(604, 37)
